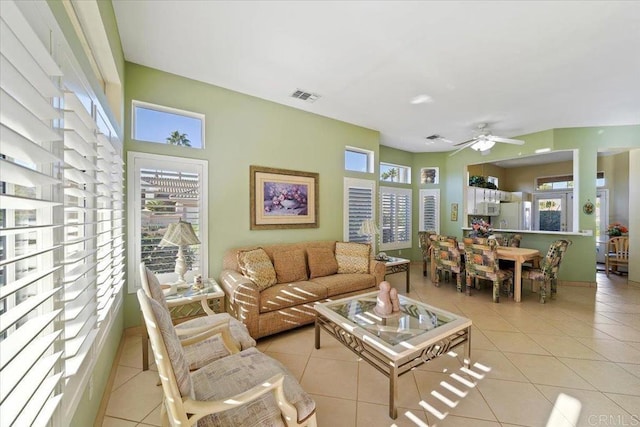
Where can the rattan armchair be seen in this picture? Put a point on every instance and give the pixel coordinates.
(243, 389)
(617, 254)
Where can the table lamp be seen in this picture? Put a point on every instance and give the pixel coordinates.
(180, 234)
(370, 229)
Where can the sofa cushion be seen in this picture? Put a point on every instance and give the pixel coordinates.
(291, 266)
(322, 262)
(283, 295)
(352, 257)
(256, 265)
(338, 284)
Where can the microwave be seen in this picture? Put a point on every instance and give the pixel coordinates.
(488, 208)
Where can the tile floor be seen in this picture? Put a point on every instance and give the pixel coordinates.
(581, 350)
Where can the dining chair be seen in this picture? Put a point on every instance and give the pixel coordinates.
(447, 260)
(232, 335)
(481, 262)
(617, 254)
(243, 389)
(547, 274)
(424, 239)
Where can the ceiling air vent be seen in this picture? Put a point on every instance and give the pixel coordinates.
(305, 96)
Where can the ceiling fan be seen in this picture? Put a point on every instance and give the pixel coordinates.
(484, 141)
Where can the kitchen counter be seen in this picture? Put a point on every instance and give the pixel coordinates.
(557, 233)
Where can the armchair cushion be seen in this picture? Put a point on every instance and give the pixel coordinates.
(322, 262)
(238, 373)
(290, 266)
(352, 257)
(256, 265)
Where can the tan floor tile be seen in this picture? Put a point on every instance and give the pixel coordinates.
(564, 346)
(135, 399)
(295, 363)
(613, 350)
(479, 341)
(446, 363)
(498, 366)
(456, 421)
(621, 332)
(492, 323)
(631, 404)
(471, 404)
(334, 412)
(505, 399)
(579, 329)
(547, 370)
(124, 374)
(154, 418)
(373, 415)
(514, 342)
(117, 422)
(373, 387)
(605, 376)
(333, 378)
(593, 406)
(631, 367)
(297, 341)
(131, 355)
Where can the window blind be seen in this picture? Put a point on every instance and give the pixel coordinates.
(358, 205)
(430, 210)
(395, 206)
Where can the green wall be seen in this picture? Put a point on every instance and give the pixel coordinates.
(240, 131)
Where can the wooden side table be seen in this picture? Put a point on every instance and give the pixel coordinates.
(186, 304)
(398, 265)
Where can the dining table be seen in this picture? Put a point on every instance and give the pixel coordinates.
(517, 254)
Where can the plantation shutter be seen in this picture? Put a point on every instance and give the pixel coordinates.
(31, 276)
(61, 228)
(396, 217)
(359, 206)
(430, 210)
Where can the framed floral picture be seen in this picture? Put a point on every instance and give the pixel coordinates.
(281, 198)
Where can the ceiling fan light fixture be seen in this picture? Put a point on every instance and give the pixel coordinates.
(483, 145)
(421, 99)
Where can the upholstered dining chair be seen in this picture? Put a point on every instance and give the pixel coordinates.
(481, 262)
(447, 260)
(547, 274)
(617, 253)
(244, 389)
(425, 246)
(231, 337)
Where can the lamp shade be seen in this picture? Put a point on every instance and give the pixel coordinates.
(179, 234)
(483, 145)
(368, 228)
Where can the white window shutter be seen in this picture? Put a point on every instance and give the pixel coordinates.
(359, 203)
(395, 206)
(430, 210)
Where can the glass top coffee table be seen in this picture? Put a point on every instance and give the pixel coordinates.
(396, 343)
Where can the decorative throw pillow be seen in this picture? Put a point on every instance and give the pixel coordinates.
(256, 265)
(322, 262)
(291, 266)
(352, 257)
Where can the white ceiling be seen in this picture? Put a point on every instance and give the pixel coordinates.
(520, 66)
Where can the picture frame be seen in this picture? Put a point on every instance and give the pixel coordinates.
(429, 175)
(282, 198)
(454, 212)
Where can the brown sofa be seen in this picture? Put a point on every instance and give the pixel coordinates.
(288, 305)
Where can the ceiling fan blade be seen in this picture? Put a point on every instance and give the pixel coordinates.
(468, 144)
(465, 142)
(506, 140)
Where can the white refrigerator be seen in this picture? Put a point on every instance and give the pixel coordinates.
(514, 216)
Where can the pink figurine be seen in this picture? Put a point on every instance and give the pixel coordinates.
(395, 301)
(384, 306)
